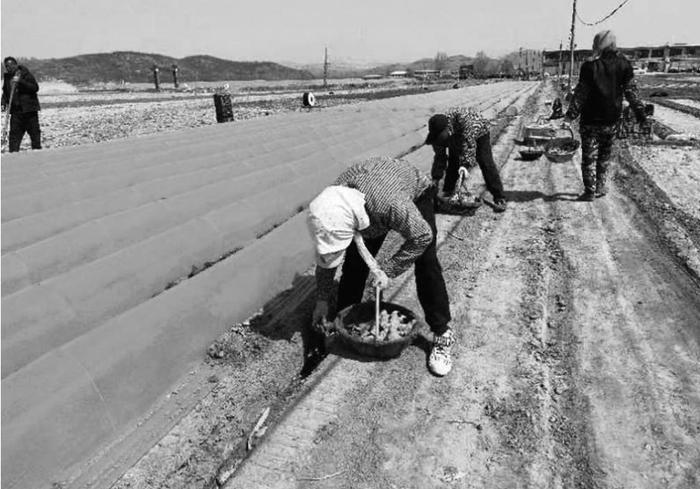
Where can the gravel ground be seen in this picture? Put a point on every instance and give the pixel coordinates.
(70, 126)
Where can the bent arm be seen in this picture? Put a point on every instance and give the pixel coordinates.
(439, 163)
(631, 93)
(580, 94)
(324, 283)
(27, 83)
(407, 221)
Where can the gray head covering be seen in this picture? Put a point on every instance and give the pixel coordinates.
(604, 40)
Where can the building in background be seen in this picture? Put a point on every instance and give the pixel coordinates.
(427, 74)
(669, 58)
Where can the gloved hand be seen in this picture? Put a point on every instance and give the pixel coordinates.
(320, 315)
(380, 279)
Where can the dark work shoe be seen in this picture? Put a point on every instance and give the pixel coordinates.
(587, 196)
(601, 190)
(499, 205)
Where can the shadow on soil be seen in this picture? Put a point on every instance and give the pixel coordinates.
(531, 195)
(287, 317)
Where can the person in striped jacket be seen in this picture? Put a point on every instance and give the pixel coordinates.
(371, 198)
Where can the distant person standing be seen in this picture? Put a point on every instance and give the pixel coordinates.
(24, 106)
(597, 98)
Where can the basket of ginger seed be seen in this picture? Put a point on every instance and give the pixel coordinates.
(357, 328)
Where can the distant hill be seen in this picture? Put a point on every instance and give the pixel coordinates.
(136, 67)
(451, 63)
(337, 68)
(343, 69)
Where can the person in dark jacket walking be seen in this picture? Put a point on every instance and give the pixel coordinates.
(461, 138)
(366, 201)
(24, 109)
(597, 98)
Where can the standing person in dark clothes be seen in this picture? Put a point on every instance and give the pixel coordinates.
(24, 111)
(597, 98)
(370, 198)
(461, 138)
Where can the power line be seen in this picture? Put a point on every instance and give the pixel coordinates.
(604, 18)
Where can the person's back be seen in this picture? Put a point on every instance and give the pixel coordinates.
(384, 179)
(597, 98)
(607, 77)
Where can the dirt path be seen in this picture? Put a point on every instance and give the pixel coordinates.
(577, 364)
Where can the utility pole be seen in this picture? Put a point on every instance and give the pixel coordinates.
(175, 70)
(325, 69)
(571, 47)
(527, 69)
(542, 63)
(520, 63)
(156, 81)
(559, 70)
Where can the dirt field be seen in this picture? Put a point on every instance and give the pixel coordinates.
(577, 364)
(71, 117)
(578, 326)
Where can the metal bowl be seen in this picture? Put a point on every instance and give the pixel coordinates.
(465, 204)
(531, 154)
(561, 151)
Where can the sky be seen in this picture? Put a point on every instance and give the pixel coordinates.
(356, 31)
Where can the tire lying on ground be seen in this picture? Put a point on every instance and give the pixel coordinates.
(308, 99)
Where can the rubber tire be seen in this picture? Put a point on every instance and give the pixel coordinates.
(308, 99)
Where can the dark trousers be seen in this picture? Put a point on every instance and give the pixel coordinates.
(24, 122)
(430, 284)
(484, 157)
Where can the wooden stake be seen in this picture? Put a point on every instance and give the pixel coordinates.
(376, 312)
(571, 45)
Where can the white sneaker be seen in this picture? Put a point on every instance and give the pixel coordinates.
(440, 360)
